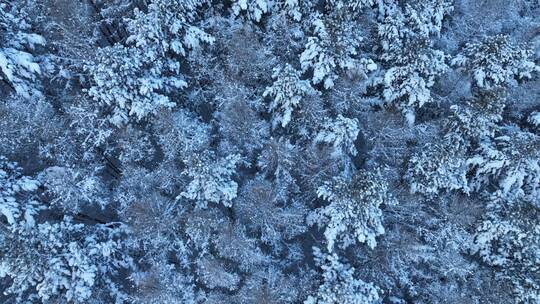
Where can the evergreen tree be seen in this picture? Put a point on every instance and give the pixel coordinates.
(19, 68)
(333, 49)
(211, 179)
(412, 64)
(136, 79)
(353, 213)
(339, 283)
(494, 61)
(287, 92)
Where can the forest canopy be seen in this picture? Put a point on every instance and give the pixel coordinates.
(270, 151)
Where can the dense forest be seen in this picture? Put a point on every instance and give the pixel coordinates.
(270, 151)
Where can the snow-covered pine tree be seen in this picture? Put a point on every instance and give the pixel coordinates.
(211, 179)
(333, 48)
(19, 68)
(253, 9)
(508, 239)
(340, 133)
(64, 262)
(17, 204)
(138, 78)
(438, 167)
(495, 61)
(339, 283)
(287, 93)
(411, 63)
(476, 120)
(512, 163)
(353, 213)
